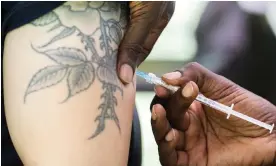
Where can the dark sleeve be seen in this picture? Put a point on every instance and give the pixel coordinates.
(17, 14)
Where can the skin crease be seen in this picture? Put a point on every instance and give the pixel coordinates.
(203, 136)
(147, 21)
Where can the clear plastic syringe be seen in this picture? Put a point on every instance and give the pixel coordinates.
(152, 79)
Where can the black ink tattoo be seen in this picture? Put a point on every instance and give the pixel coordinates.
(81, 67)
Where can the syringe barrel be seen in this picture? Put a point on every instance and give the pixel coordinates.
(213, 104)
(252, 120)
(230, 111)
(159, 81)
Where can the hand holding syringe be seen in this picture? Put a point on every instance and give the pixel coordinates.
(152, 79)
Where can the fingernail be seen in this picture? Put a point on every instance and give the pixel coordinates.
(172, 75)
(170, 136)
(188, 90)
(153, 113)
(126, 73)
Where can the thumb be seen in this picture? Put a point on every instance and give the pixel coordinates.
(147, 21)
(209, 84)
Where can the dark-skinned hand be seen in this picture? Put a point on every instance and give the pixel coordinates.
(189, 133)
(147, 21)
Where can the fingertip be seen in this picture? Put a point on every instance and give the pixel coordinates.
(158, 113)
(190, 90)
(178, 139)
(172, 75)
(153, 114)
(170, 135)
(172, 78)
(160, 126)
(161, 91)
(167, 148)
(126, 73)
(159, 109)
(158, 100)
(195, 87)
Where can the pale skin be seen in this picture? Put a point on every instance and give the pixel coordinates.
(61, 87)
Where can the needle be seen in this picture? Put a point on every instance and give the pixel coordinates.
(152, 79)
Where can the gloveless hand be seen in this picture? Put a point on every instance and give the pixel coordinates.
(147, 21)
(189, 133)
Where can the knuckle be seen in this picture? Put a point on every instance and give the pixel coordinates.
(193, 65)
(133, 53)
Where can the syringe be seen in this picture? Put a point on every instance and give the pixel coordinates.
(152, 79)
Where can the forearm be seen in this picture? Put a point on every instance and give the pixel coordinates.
(64, 102)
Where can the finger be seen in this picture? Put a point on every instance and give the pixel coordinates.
(172, 78)
(165, 13)
(209, 83)
(159, 123)
(167, 148)
(182, 158)
(161, 91)
(178, 105)
(158, 100)
(147, 21)
(180, 141)
(161, 126)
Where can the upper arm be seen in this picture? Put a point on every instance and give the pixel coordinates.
(64, 102)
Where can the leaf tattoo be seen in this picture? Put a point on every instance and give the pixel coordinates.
(67, 31)
(115, 33)
(109, 7)
(46, 19)
(46, 77)
(107, 71)
(66, 56)
(89, 43)
(58, 25)
(81, 66)
(80, 78)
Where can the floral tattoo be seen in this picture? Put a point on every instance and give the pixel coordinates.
(81, 66)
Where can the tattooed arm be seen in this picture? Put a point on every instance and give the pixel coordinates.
(64, 102)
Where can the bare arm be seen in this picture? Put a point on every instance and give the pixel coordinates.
(64, 102)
